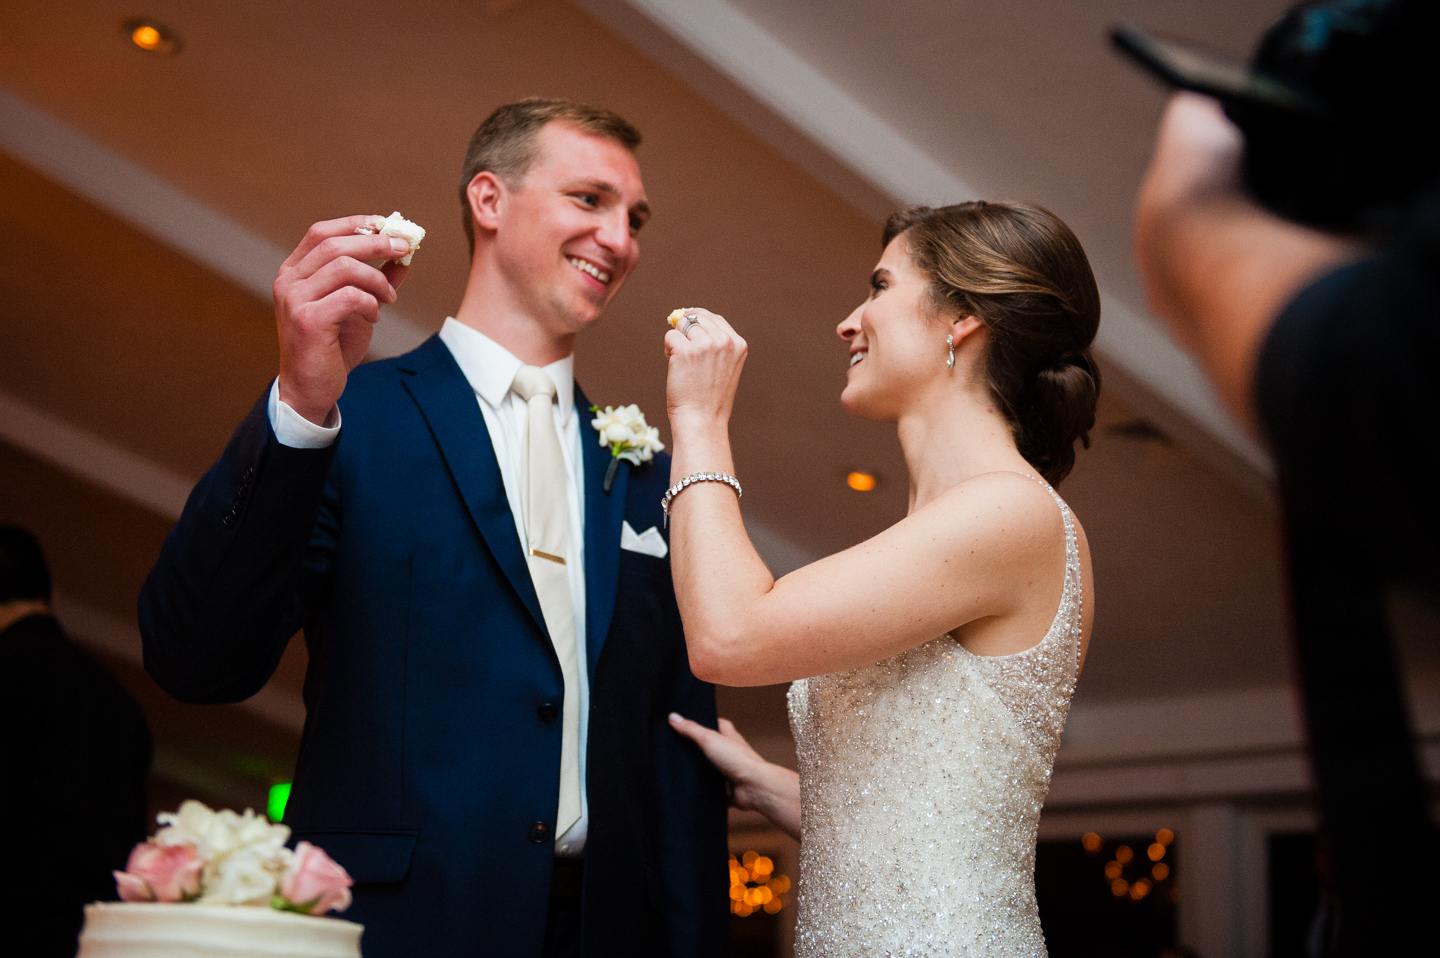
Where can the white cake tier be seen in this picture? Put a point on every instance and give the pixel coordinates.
(154, 930)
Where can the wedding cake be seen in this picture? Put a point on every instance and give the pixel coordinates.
(171, 930)
(220, 885)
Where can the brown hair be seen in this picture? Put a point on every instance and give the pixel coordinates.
(505, 143)
(1021, 271)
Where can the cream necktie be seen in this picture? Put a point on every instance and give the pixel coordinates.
(545, 506)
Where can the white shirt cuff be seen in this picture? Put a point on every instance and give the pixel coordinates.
(293, 429)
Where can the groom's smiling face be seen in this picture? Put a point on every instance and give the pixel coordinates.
(568, 231)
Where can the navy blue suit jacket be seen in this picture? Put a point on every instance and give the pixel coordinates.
(428, 767)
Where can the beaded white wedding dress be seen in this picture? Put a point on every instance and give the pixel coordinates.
(921, 781)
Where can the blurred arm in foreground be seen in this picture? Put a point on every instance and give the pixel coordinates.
(1217, 266)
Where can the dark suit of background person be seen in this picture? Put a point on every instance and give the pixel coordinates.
(429, 763)
(73, 763)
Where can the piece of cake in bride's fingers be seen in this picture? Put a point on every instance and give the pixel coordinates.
(676, 315)
(399, 227)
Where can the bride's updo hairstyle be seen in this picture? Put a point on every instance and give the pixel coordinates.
(1019, 270)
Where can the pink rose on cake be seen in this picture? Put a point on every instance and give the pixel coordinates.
(160, 873)
(314, 883)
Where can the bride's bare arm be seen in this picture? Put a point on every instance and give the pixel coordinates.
(755, 784)
(971, 553)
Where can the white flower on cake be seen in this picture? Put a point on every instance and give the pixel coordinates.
(243, 877)
(217, 834)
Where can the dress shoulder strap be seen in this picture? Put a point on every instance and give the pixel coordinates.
(1072, 592)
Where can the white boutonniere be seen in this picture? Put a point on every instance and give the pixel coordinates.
(624, 431)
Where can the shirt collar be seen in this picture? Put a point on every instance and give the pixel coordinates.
(490, 368)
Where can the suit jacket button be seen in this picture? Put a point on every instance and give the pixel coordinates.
(228, 519)
(547, 712)
(539, 833)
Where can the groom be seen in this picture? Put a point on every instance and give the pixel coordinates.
(491, 664)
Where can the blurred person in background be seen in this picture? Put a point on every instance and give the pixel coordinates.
(74, 756)
(1322, 339)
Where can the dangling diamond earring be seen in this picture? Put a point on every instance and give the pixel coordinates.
(950, 344)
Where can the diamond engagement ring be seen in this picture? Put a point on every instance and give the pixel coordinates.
(686, 317)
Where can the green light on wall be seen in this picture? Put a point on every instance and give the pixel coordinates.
(279, 795)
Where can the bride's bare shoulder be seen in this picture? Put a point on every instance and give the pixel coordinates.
(1002, 490)
(1013, 505)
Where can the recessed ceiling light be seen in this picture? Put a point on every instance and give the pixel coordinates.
(861, 481)
(152, 36)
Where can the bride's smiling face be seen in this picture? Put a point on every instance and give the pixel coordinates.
(897, 343)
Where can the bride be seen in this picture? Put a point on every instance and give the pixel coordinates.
(924, 761)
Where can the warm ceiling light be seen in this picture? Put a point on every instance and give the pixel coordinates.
(860, 481)
(152, 36)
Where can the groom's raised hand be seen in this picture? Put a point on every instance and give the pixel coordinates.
(327, 301)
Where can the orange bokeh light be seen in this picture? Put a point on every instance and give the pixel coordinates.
(1091, 842)
(860, 481)
(146, 37)
(755, 887)
(1123, 854)
(1156, 852)
(150, 36)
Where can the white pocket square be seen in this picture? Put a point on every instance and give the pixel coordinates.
(649, 542)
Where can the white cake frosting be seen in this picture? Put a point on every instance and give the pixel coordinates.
(399, 227)
(155, 930)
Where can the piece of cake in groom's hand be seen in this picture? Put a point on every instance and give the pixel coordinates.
(399, 227)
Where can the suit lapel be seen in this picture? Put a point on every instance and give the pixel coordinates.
(603, 514)
(448, 403)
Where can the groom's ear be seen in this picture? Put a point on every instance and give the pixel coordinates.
(487, 195)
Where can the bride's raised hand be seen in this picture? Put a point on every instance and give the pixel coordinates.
(706, 356)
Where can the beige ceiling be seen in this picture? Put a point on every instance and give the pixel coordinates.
(276, 114)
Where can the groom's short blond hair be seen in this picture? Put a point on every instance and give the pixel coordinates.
(505, 143)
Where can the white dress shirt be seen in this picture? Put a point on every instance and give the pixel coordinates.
(490, 369)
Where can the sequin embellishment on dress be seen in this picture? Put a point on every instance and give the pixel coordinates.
(922, 779)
